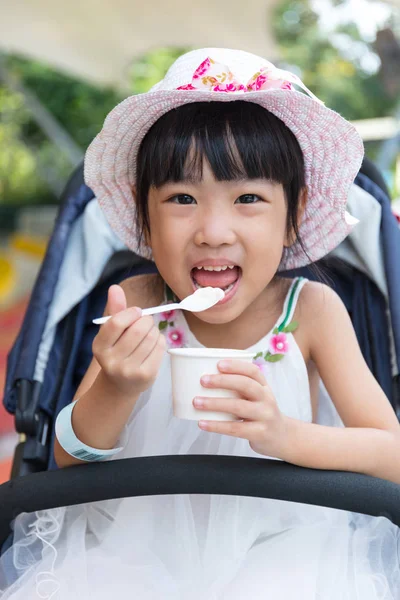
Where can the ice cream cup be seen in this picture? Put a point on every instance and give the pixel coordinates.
(188, 365)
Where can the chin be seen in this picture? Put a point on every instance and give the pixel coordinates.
(213, 319)
(221, 315)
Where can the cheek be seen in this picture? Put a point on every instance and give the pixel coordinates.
(268, 233)
(160, 228)
(265, 248)
(167, 243)
(165, 237)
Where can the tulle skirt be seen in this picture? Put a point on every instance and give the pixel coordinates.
(199, 547)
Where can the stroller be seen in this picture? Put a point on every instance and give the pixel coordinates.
(53, 351)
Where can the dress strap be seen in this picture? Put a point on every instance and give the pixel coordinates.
(291, 301)
(169, 295)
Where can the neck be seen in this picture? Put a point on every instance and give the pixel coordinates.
(249, 327)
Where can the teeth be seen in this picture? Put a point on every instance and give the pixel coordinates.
(216, 268)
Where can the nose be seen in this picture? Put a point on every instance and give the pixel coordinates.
(215, 227)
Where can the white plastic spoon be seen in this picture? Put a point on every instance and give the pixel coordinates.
(200, 300)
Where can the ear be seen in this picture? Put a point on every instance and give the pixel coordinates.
(291, 237)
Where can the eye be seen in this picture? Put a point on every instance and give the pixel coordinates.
(182, 199)
(248, 199)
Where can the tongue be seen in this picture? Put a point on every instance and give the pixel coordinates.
(219, 279)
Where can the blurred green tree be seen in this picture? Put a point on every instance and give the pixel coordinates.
(25, 152)
(333, 65)
(148, 69)
(77, 105)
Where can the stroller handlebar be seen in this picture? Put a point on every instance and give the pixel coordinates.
(197, 474)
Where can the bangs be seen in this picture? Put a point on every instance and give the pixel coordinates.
(240, 140)
(176, 146)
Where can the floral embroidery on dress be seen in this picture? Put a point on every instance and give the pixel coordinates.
(278, 344)
(175, 335)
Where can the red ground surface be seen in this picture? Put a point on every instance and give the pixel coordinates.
(10, 322)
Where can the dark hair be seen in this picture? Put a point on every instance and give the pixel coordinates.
(238, 139)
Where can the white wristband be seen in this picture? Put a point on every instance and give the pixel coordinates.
(70, 443)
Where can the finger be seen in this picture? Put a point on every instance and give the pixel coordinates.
(156, 355)
(145, 347)
(116, 300)
(242, 367)
(244, 386)
(247, 430)
(115, 327)
(243, 409)
(132, 337)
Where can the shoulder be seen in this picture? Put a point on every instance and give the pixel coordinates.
(143, 290)
(318, 299)
(319, 312)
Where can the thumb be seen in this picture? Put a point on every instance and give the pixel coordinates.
(116, 300)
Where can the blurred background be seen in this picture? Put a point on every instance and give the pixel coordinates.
(65, 65)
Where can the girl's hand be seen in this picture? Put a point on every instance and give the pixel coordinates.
(129, 348)
(263, 424)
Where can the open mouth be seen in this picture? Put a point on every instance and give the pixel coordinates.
(225, 277)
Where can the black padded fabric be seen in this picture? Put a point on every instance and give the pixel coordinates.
(369, 169)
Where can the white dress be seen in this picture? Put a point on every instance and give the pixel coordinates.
(198, 547)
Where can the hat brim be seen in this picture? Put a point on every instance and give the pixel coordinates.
(332, 149)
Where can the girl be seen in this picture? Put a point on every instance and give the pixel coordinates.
(226, 176)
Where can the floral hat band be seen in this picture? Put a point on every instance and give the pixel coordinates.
(216, 77)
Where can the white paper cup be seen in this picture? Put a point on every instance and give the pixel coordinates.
(188, 365)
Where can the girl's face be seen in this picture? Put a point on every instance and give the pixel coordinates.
(209, 223)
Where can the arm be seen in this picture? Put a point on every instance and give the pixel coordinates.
(370, 441)
(104, 407)
(95, 420)
(98, 418)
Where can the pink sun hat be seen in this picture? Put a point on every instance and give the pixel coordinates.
(332, 148)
